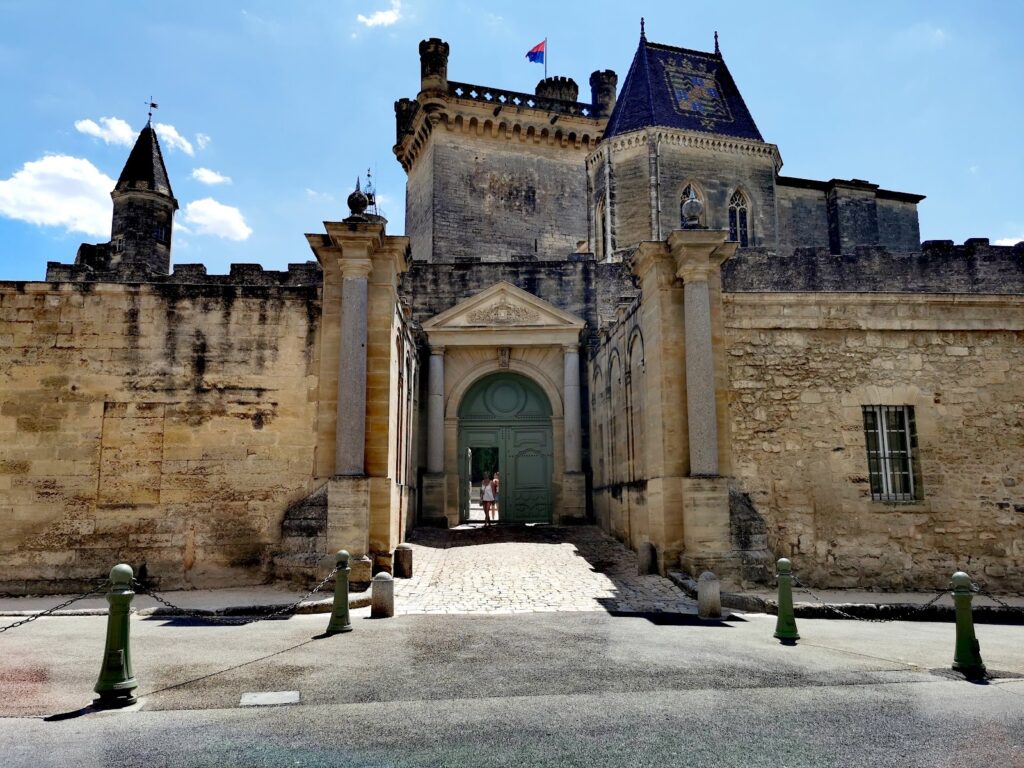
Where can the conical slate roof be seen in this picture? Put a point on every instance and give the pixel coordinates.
(145, 168)
(680, 88)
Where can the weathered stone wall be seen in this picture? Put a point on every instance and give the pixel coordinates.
(644, 172)
(937, 267)
(801, 368)
(501, 198)
(803, 221)
(164, 424)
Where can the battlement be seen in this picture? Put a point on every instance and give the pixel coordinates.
(304, 274)
(938, 267)
(547, 98)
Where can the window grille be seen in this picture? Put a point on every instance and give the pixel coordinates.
(738, 219)
(891, 435)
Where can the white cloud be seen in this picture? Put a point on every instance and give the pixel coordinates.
(1009, 240)
(382, 18)
(206, 176)
(59, 191)
(113, 130)
(169, 135)
(925, 35)
(203, 140)
(208, 217)
(312, 194)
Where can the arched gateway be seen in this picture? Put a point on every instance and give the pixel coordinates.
(505, 426)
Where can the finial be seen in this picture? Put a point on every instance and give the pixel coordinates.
(717, 52)
(357, 203)
(643, 33)
(152, 105)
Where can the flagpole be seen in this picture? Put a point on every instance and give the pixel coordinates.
(545, 58)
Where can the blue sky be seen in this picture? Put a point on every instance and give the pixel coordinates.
(288, 102)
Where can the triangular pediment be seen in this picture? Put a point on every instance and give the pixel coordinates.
(503, 306)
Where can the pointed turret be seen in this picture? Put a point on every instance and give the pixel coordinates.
(144, 207)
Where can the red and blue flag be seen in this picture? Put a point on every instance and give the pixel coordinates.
(536, 54)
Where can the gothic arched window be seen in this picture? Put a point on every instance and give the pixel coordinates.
(738, 219)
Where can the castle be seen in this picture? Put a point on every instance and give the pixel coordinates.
(620, 304)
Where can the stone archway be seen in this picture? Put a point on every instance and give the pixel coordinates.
(507, 418)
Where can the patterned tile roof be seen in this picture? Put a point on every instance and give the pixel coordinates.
(680, 88)
(145, 167)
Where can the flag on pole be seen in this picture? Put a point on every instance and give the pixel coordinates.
(536, 54)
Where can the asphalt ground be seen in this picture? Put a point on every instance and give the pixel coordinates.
(583, 688)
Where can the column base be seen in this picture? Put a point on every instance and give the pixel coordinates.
(434, 508)
(707, 537)
(573, 509)
(348, 515)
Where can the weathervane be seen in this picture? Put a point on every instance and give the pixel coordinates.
(152, 105)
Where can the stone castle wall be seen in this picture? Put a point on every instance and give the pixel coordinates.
(496, 198)
(801, 367)
(164, 424)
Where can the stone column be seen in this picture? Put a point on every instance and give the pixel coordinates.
(700, 375)
(573, 432)
(350, 433)
(435, 412)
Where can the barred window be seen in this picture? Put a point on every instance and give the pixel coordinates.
(738, 219)
(891, 436)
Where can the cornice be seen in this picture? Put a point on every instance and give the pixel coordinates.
(498, 122)
(711, 142)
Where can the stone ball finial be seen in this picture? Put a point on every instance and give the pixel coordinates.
(692, 210)
(357, 201)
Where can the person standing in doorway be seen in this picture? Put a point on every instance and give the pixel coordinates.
(495, 485)
(487, 491)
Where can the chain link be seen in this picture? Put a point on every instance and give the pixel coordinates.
(102, 587)
(994, 599)
(910, 611)
(228, 621)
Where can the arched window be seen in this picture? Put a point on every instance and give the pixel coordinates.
(738, 219)
(686, 196)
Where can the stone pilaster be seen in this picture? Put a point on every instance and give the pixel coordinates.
(435, 412)
(350, 436)
(573, 417)
(698, 255)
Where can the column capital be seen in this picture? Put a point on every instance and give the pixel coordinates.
(699, 252)
(571, 348)
(437, 349)
(353, 269)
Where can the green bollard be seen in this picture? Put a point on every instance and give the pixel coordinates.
(785, 627)
(339, 615)
(967, 657)
(116, 684)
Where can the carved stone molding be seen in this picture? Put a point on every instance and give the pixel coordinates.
(502, 313)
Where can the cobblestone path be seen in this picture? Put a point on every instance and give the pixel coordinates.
(472, 569)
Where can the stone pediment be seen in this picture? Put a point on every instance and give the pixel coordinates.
(502, 309)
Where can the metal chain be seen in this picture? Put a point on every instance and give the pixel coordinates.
(192, 613)
(902, 614)
(993, 598)
(102, 587)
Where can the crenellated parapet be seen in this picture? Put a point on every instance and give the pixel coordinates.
(304, 274)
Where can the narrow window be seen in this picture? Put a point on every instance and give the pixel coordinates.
(738, 219)
(891, 436)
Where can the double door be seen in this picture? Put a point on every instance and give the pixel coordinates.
(521, 453)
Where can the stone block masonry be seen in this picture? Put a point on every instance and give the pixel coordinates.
(801, 368)
(165, 424)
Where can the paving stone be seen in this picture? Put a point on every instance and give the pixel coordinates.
(473, 569)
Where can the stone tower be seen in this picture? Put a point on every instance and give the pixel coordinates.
(495, 175)
(144, 206)
(679, 125)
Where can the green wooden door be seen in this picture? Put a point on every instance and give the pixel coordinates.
(511, 413)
